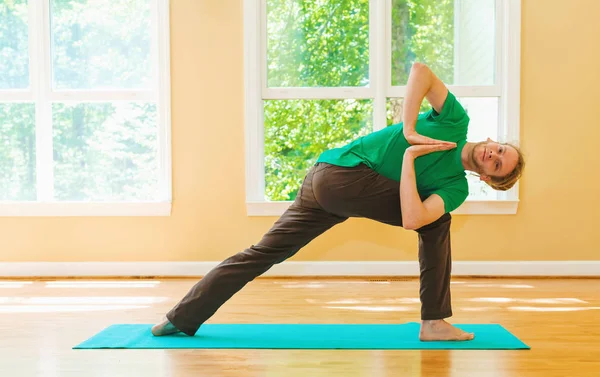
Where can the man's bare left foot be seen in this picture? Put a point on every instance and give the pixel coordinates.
(164, 328)
(441, 330)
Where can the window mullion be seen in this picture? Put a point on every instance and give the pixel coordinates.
(319, 93)
(500, 69)
(162, 93)
(499, 78)
(510, 44)
(457, 90)
(254, 79)
(378, 43)
(259, 168)
(16, 95)
(78, 95)
(39, 34)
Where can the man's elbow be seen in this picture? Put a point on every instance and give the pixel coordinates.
(417, 222)
(419, 68)
(411, 223)
(412, 227)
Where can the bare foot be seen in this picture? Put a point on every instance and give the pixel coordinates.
(164, 328)
(442, 330)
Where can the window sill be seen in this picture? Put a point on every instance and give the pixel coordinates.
(470, 207)
(61, 209)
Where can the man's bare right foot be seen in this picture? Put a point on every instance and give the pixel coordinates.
(441, 330)
(164, 328)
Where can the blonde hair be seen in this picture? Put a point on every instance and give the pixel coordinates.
(508, 181)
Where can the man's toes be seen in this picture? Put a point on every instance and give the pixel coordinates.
(164, 328)
(157, 330)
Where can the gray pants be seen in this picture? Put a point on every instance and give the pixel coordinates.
(328, 196)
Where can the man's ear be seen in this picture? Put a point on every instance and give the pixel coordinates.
(484, 178)
(490, 140)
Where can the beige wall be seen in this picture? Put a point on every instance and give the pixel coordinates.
(557, 218)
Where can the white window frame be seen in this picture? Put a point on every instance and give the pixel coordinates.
(41, 93)
(507, 88)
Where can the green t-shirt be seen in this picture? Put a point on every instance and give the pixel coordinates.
(439, 173)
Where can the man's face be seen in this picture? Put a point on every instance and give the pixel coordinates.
(493, 159)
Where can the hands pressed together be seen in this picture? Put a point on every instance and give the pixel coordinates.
(422, 145)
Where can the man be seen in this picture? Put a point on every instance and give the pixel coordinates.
(411, 175)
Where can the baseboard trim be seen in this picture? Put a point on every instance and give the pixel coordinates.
(297, 269)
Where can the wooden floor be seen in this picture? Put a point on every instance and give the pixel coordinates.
(41, 320)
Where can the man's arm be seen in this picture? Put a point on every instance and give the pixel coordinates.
(422, 83)
(415, 213)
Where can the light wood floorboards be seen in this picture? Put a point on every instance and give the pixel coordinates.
(40, 321)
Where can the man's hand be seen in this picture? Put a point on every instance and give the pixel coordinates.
(414, 138)
(415, 151)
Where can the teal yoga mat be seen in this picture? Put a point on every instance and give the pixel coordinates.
(300, 336)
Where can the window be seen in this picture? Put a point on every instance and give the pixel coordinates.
(321, 73)
(84, 107)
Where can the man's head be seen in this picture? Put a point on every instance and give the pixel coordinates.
(500, 165)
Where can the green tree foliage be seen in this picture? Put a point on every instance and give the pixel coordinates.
(101, 44)
(17, 151)
(14, 44)
(422, 30)
(325, 43)
(105, 151)
(314, 43)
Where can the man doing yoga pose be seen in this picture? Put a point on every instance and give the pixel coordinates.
(411, 175)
